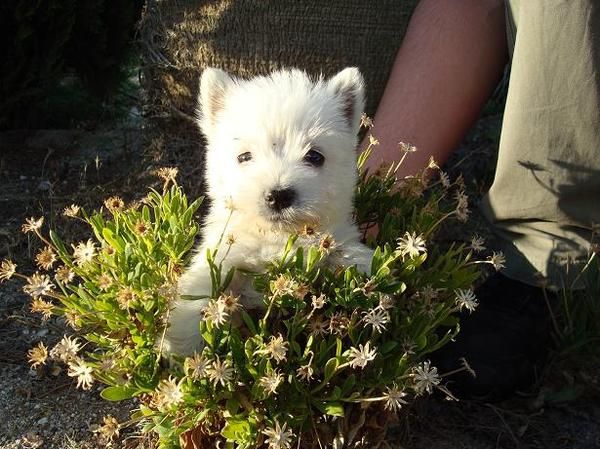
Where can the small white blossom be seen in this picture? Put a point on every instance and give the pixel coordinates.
(38, 285)
(428, 293)
(64, 274)
(498, 260)
(394, 398)
(38, 355)
(109, 430)
(318, 302)
(276, 349)
(7, 270)
(362, 356)
(445, 179)
(411, 244)
(66, 349)
(114, 204)
(82, 371)
(477, 243)
(327, 244)
(38, 305)
(196, 366)
(278, 436)
(168, 393)
(425, 377)
(220, 372)
(168, 174)
(230, 303)
(45, 258)
(338, 323)
(377, 318)
(32, 225)
(466, 299)
(71, 211)
(305, 372)
(283, 285)
(462, 206)
(215, 313)
(270, 382)
(318, 325)
(386, 302)
(125, 298)
(84, 252)
(372, 140)
(365, 121)
(230, 204)
(406, 147)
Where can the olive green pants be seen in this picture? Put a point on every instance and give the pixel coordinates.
(546, 193)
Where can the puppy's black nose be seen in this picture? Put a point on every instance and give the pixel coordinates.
(280, 199)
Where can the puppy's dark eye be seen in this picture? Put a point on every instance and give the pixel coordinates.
(314, 158)
(244, 157)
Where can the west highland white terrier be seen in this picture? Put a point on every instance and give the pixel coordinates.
(281, 155)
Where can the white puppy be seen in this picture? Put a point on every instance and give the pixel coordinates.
(281, 155)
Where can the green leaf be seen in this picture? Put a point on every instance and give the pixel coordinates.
(117, 393)
(249, 322)
(333, 408)
(388, 346)
(421, 342)
(113, 240)
(237, 429)
(299, 258)
(60, 246)
(330, 367)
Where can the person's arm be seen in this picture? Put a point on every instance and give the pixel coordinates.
(450, 61)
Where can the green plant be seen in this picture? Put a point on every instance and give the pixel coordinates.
(576, 314)
(330, 347)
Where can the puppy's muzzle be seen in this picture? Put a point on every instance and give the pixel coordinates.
(277, 200)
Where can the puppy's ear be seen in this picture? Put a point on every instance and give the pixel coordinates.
(350, 87)
(213, 88)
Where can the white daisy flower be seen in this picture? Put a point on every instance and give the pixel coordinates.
(196, 366)
(270, 382)
(215, 313)
(498, 260)
(168, 393)
(276, 349)
(278, 436)
(66, 349)
(7, 270)
(362, 356)
(84, 252)
(466, 299)
(425, 377)
(377, 318)
(394, 398)
(220, 372)
(411, 244)
(82, 371)
(477, 243)
(38, 285)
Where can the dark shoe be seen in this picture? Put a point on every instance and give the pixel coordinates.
(505, 341)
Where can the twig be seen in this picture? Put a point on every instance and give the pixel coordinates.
(510, 432)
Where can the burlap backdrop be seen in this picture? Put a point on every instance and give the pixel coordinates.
(248, 37)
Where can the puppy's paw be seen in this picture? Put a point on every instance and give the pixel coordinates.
(356, 254)
(182, 336)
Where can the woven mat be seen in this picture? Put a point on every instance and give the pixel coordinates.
(244, 37)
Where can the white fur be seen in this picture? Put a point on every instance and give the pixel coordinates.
(278, 119)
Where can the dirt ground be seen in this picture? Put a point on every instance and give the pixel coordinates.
(42, 171)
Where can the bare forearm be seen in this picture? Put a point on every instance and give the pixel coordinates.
(450, 61)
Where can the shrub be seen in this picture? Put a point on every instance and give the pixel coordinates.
(331, 348)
